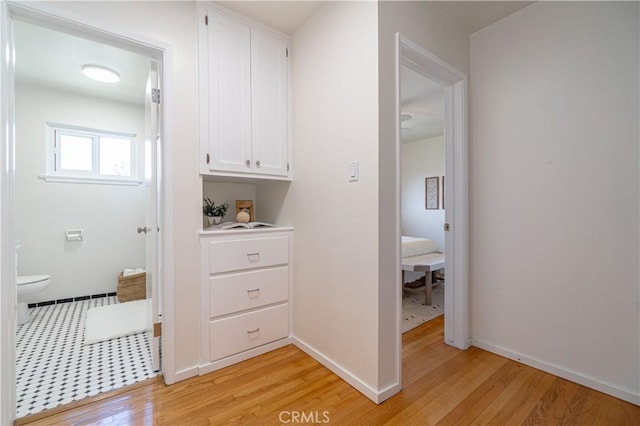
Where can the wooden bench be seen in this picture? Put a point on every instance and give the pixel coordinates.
(427, 263)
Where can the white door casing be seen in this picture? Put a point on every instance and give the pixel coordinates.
(412, 55)
(8, 290)
(152, 140)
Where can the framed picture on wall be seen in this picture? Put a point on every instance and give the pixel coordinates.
(442, 192)
(432, 197)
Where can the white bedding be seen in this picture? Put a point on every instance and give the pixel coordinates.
(412, 246)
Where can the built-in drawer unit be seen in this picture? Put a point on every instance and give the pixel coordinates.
(239, 333)
(245, 278)
(235, 255)
(247, 290)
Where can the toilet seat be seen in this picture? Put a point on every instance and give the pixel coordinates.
(31, 279)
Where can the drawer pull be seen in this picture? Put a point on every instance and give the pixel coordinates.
(253, 332)
(256, 254)
(254, 293)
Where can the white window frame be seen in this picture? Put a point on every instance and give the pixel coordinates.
(55, 174)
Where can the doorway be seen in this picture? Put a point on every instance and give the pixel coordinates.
(126, 131)
(422, 182)
(415, 58)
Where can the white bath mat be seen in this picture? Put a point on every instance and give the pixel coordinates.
(119, 320)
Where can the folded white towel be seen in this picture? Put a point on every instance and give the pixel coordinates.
(132, 271)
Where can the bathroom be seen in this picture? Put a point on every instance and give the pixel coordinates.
(78, 229)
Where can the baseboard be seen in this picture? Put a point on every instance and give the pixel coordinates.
(187, 373)
(573, 376)
(346, 375)
(242, 356)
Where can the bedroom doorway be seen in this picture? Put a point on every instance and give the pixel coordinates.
(412, 57)
(422, 187)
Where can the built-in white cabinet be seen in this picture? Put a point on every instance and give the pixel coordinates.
(243, 97)
(245, 286)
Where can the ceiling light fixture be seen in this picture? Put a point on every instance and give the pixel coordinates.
(405, 117)
(102, 74)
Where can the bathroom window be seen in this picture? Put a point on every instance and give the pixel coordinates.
(77, 154)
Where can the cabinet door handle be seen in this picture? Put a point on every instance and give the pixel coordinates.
(253, 254)
(251, 292)
(247, 162)
(250, 332)
(258, 163)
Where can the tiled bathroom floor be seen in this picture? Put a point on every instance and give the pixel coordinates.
(54, 367)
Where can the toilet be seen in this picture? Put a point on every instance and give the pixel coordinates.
(27, 286)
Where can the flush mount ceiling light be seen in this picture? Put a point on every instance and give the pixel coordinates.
(102, 74)
(405, 117)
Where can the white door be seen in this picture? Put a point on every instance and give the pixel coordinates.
(229, 97)
(269, 103)
(151, 228)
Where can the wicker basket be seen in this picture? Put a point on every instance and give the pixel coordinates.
(132, 287)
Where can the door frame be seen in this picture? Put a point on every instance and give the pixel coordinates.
(49, 16)
(420, 60)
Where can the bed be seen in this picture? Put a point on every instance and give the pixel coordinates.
(422, 255)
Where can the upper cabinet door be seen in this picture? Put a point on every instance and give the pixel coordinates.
(269, 103)
(229, 94)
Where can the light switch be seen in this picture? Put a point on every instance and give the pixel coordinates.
(354, 174)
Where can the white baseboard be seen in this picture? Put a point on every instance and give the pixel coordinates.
(346, 375)
(187, 373)
(573, 376)
(242, 356)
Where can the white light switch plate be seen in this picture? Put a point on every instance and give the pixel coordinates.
(354, 173)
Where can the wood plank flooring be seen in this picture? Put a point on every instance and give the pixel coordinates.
(442, 386)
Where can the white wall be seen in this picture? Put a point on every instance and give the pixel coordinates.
(419, 160)
(554, 185)
(108, 214)
(423, 23)
(226, 192)
(174, 25)
(335, 110)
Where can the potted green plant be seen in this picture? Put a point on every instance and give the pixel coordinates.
(214, 213)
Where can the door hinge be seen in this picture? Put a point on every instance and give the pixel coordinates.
(207, 157)
(155, 96)
(206, 19)
(287, 167)
(286, 51)
(157, 329)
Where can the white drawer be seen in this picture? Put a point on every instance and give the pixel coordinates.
(234, 255)
(247, 290)
(239, 333)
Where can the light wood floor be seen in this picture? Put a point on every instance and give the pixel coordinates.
(442, 385)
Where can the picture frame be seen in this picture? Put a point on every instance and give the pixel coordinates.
(443, 193)
(432, 193)
(245, 204)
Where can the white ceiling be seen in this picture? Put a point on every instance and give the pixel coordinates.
(54, 59)
(475, 15)
(284, 16)
(423, 99)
